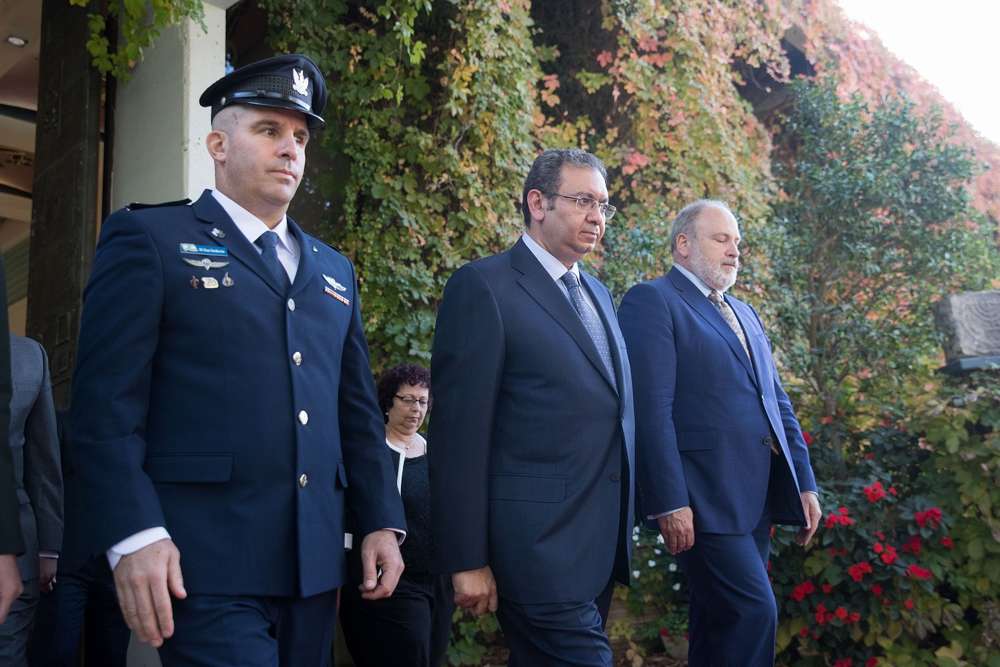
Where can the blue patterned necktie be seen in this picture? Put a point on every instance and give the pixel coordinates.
(268, 243)
(591, 322)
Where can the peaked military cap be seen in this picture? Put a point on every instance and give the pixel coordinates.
(286, 82)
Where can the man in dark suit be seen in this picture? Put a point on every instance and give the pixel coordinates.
(721, 454)
(531, 440)
(223, 406)
(34, 442)
(11, 542)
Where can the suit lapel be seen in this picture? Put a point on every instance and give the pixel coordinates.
(211, 213)
(539, 285)
(701, 305)
(307, 263)
(606, 311)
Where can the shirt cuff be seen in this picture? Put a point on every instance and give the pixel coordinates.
(135, 542)
(48, 554)
(652, 517)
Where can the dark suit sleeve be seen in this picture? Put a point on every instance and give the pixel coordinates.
(793, 431)
(119, 333)
(371, 491)
(10, 525)
(466, 370)
(42, 468)
(648, 329)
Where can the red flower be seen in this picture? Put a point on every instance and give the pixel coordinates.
(947, 542)
(840, 613)
(878, 548)
(664, 632)
(839, 519)
(913, 545)
(918, 572)
(859, 570)
(875, 492)
(880, 535)
(908, 603)
(854, 617)
(843, 662)
(871, 662)
(889, 555)
(930, 517)
(892, 492)
(808, 438)
(804, 632)
(827, 588)
(876, 590)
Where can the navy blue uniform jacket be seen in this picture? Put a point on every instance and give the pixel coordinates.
(707, 415)
(531, 446)
(242, 419)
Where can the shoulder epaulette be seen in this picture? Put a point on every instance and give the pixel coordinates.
(136, 206)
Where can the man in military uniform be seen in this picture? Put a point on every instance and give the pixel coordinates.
(224, 412)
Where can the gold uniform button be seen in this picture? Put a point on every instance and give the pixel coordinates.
(297, 358)
(303, 480)
(291, 304)
(303, 417)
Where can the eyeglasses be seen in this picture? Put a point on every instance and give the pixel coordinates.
(410, 401)
(589, 204)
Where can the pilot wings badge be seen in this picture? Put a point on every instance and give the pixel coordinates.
(332, 282)
(205, 263)
(301, 82)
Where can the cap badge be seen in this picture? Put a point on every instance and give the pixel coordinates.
(301, 85)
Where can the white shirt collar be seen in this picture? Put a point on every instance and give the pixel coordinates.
(251, 226)
(552, 266)
(702, 287)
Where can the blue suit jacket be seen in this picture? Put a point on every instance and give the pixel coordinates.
(188, 405)
(707, 415)
(530, 444)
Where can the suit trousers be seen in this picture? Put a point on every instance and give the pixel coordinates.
(409, 629)
(732, 616)
(83, 602)
(251, 631)
(15, 630)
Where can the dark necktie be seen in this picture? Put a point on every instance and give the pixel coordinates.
(591, 322)
(268, 243)
(730, 317)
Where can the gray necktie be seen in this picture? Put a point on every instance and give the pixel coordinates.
(730, 317)
(268, 244)
(591, 321)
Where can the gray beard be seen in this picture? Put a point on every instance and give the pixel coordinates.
(712, 275)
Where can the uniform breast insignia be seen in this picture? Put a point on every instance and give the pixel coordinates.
(332, 282)
(210, 250)
(217, 233)
(209, 282)
(194, 282)
(205, 263)
(336, 296)
(227, 281)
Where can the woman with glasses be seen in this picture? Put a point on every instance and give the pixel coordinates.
(412, 627)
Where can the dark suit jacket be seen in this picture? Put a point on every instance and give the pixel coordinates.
(10, 529)
(34, 442)
(531, 447)
(191, 409)
(706, 416)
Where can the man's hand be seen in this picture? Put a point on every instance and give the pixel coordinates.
(10, 583)
(144, 581)
(475, 590)
(380, 551)
(47, 573)
(810, 507)
(677, 529)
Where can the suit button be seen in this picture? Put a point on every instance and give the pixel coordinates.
(303, 480)
(291, 304)
(297, 358)
(615, 477)
(303, 417)
(767, 442)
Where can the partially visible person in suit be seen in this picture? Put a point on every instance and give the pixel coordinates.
(532, 433)
(38, 472)
(11, 541)
(233, 421)
(82, 610)
(720, 453)
(412, 627)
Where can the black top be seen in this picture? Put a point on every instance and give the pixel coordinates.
(416, 493)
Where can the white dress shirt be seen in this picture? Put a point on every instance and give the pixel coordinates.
(557, 269)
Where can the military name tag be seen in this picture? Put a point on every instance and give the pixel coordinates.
(212, 250)
(336, 296)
